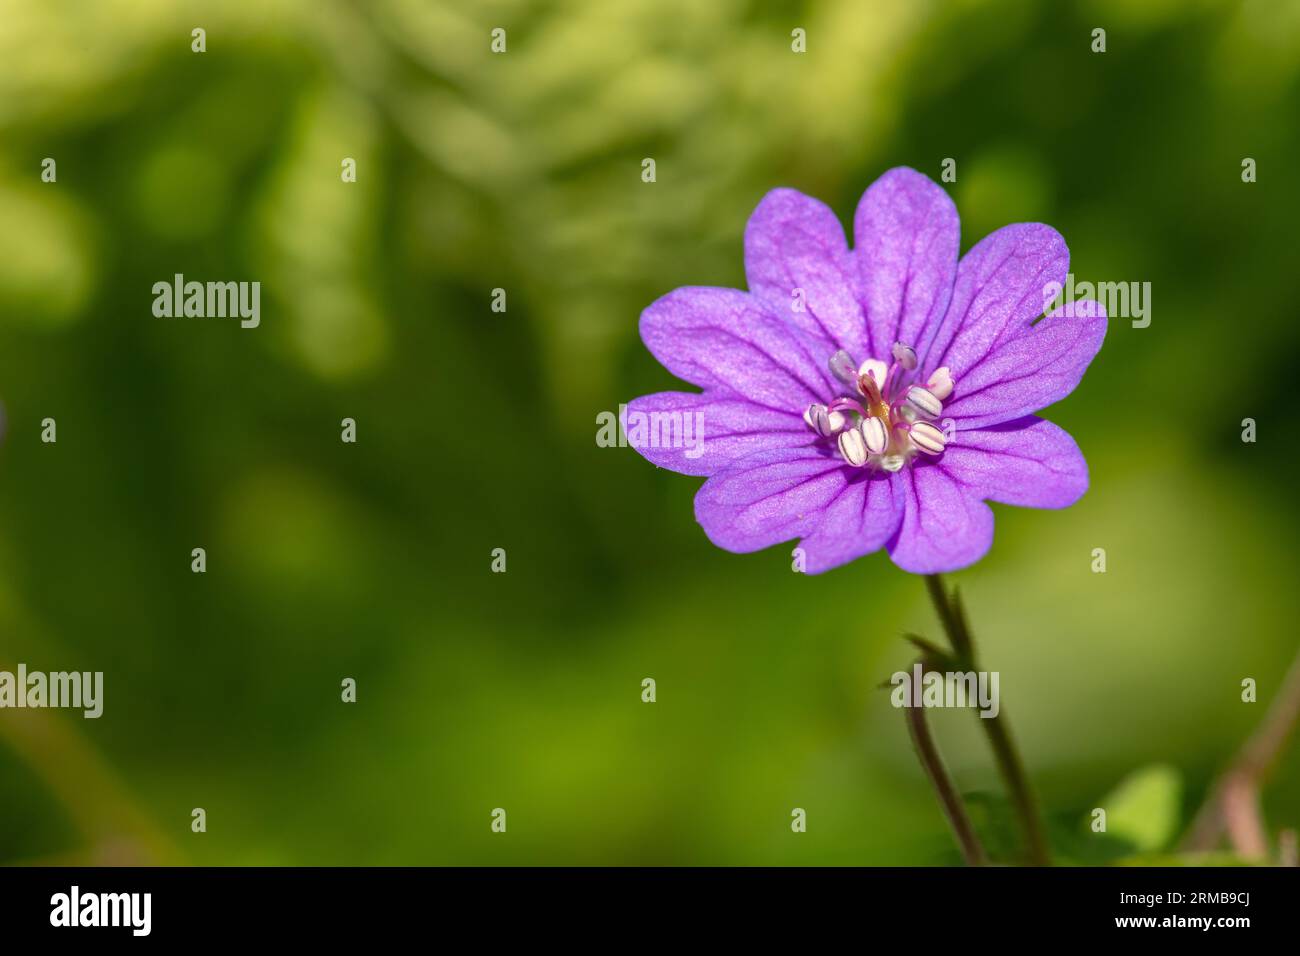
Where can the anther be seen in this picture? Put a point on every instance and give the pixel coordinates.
(822, 420)
(905, 356)
(927, 438)
(875, 435)
(853, 448)
(924, 402)
(844, 368)
(941, 383)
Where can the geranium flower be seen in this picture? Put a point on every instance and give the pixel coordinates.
(873, 397)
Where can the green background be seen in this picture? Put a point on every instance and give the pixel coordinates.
(476, 430)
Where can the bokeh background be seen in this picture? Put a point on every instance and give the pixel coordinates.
(476, 430)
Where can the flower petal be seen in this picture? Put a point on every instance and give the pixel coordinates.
(769, 497)
(794, 242)
(695, 434)
(1001, 288)
(906, 234)
(861, 519)
(1028, 462)
(945, 525)
(726, 339)
(1030, 370)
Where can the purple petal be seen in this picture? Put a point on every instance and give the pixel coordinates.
(1028, 462)
(794, 242)
(1030, 370)
(1000, 289)
(906, 234)
(861, 519)
(945, 525)
(769, 497)
(695, 434)
(727, 340)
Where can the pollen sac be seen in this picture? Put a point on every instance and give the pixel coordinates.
(941, 383)
(924, 402)
(844, 368)
(905, 356)
(875, 435)
(822, 420)
(853, 448)
(927, 438)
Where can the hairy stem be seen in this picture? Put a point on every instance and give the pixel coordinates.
(949, 800)
(1012, 769)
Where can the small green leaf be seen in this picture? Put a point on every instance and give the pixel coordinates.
(1144, 809)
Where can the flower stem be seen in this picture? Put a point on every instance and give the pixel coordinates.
(949, 799)
(953, 617)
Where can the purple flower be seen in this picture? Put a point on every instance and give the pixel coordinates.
(873, 397)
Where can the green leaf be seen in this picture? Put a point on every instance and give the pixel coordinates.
(1144, 809)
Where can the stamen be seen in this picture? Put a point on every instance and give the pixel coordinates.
(844, 368)
(823, 421)
(847, 404)
(927, 438)
(905, 356)
(853, 448)
(941, 383)
(875, 435)
(884, 421)
(924, 402)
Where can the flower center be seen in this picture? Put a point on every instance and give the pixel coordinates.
(887, 418)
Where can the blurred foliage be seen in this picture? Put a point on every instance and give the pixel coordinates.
(475, 430)
(1145, 808)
